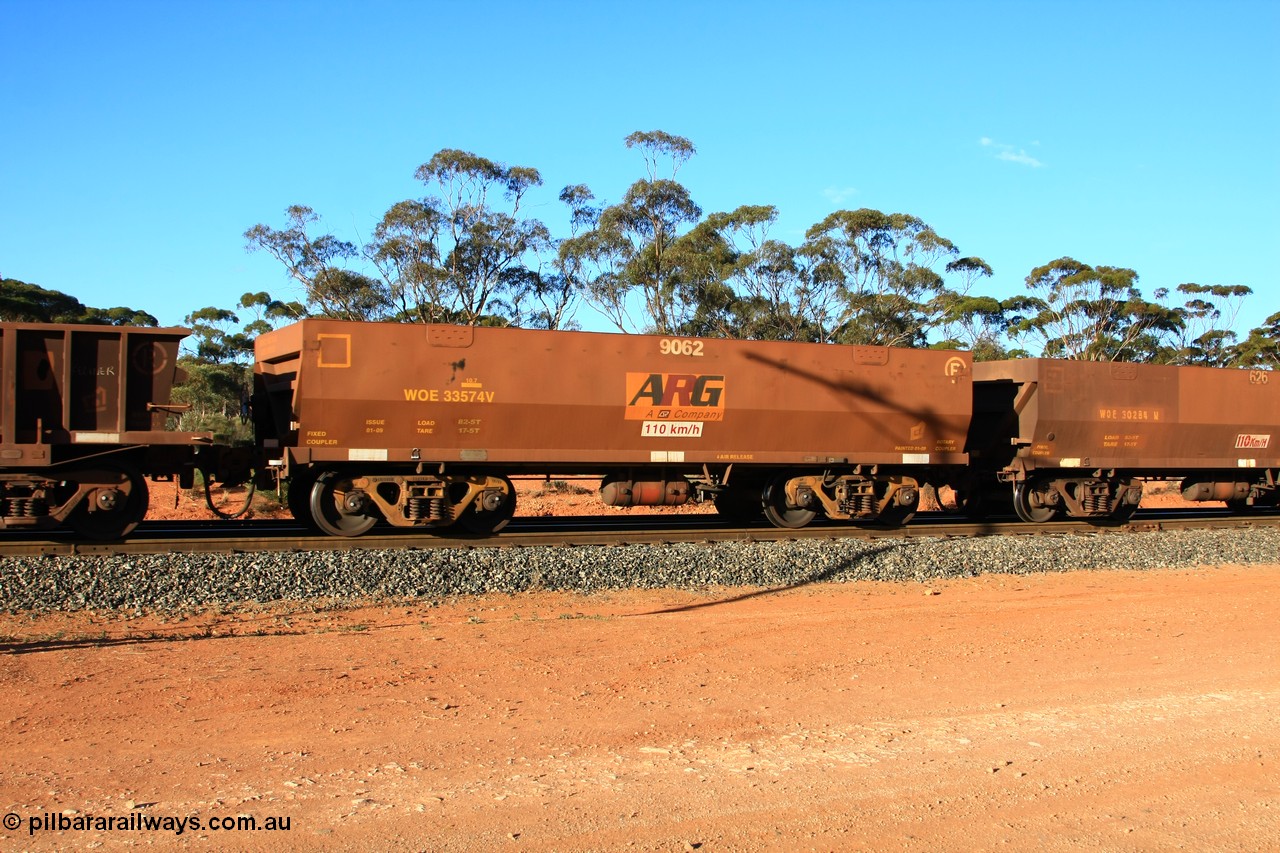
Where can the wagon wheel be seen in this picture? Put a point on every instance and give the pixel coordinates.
(739, 506)
(488, 521)
(973, 505)
(338, 509)
(896, 514)
(1023, 507)
(1122, 511)
(776, 510)
(298, 497)
(115, 514)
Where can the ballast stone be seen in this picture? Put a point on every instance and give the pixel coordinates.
(173, 583)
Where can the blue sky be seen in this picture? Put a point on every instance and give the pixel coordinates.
(139, 140)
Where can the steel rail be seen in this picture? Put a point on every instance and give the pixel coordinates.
(284, 536)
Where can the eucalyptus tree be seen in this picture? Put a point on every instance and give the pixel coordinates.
(630, 251)
(268, 312)
(118, 316)
(1207, 337)
(23, 302)
(1262, 347)
(319, 265)
(220, 370)
(705, 303)
(879, 269)
(460, 253)
(968, 320)
(218, 375)
(548, 295)
(217, 336)
(773, 275)
(221, 337)
(751, 285)
(1090, 313)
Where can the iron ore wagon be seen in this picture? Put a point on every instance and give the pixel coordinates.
(1075, 437)
(424, 426)
(83, 423)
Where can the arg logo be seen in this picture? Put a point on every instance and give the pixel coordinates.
(675, 396)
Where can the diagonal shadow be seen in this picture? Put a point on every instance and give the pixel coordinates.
(26, 647)
(816, 577)
(854, 389)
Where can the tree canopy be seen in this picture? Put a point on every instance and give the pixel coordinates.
(467, 251)
(1092, 313)
(21, 302)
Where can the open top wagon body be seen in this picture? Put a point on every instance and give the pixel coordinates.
(82, 423)
(1075, 437)
(424, 425)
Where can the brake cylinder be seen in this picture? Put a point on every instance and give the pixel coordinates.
(1214, 491)
(644, 492)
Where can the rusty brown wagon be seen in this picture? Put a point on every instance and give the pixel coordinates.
(83, 423)
(1077, 438)
(424, 426)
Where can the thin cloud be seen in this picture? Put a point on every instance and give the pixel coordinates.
(839, 195)
(1010, 153)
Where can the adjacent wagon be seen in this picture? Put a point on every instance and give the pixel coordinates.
(83, 422)
(1076, 437)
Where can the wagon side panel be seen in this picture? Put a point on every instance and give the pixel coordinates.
(391, 392)
(1154, 418)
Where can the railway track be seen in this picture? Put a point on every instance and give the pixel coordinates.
(165, 537)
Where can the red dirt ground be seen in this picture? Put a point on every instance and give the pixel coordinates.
(1083, 711)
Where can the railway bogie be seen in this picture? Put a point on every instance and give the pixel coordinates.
(884, 499)
(349, 504)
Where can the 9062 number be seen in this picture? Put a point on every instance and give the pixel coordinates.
(678, 346)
